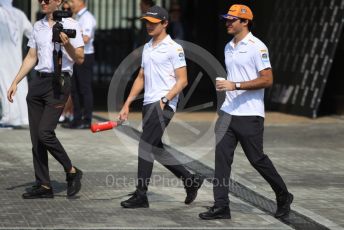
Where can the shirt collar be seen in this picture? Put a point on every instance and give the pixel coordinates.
(45, 21)
(243, 41)
(165, 41)
(81, 12)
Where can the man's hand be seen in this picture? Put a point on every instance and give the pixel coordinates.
(225, 86)
(162, 105)
(77, 54)
(11, 92)
(64, 39)
(124, 113)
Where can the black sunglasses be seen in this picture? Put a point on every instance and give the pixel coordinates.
(45, 1)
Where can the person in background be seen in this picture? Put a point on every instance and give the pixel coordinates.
(13, 25)
(67, 114)
(66, 6)
(142, 36)
(82, 95)
(175, 29)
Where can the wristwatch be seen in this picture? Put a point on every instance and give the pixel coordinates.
(237, 85)
(164, 100)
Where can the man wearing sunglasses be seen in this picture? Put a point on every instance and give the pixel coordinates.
(47, 96)
(241, 118)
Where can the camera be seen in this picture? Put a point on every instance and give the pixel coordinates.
(58, 27)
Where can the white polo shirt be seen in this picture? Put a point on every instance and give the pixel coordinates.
(159, 64)
(243, 63)
(88, 27)
(41, 40)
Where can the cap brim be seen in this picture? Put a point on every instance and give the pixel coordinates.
(225, 16)
(151, 19)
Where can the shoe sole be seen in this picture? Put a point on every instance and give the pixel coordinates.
(76, 192)
(129, 207)
(216, 218)
(39, 197)
(142, 206)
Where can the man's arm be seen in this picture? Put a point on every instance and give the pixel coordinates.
(134, 92)
(181, 83)
(77, 54)
(28, 63)
(88, 28)
(264, 80)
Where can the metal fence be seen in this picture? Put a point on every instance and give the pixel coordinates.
(118, 25)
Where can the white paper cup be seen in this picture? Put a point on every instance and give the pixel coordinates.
(220, 79)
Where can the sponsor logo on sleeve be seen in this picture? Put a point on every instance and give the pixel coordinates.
(181, 56)
(265, 56)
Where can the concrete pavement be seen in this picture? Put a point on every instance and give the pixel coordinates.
(308, 153)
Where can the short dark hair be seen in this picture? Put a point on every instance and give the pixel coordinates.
(249, 23)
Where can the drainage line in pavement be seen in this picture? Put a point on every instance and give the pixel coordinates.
(294, 219)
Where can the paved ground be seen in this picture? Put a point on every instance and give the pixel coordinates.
(308, 153)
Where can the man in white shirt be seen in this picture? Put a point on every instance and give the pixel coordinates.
(163, 75)
(82, 95)
(13, 25)
(241, 118)
(48, 92)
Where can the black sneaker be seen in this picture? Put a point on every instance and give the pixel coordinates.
(76, 125)
(191, 187)
(39, 192)
(283, 205)
(73, 182)
(36, 185)
(216, 213)
(137, 200)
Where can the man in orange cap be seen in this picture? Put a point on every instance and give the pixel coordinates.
(163, 76)
(241, 118)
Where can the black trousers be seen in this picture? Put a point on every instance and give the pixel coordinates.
(46, 99)
(82, 95)
(248, 130)
(151, 147)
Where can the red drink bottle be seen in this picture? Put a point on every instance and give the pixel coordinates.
(102, 126)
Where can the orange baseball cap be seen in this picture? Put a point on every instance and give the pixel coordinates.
(239, 11)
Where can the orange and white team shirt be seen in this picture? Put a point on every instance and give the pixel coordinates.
(244, 61)
(159, 64)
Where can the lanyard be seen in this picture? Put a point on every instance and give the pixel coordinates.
(79, 16)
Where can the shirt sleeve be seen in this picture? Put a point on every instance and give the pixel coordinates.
(77, 41)
(32, 39)
(88, 27)
(143, 56)
(178, 57)
(261, 58)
